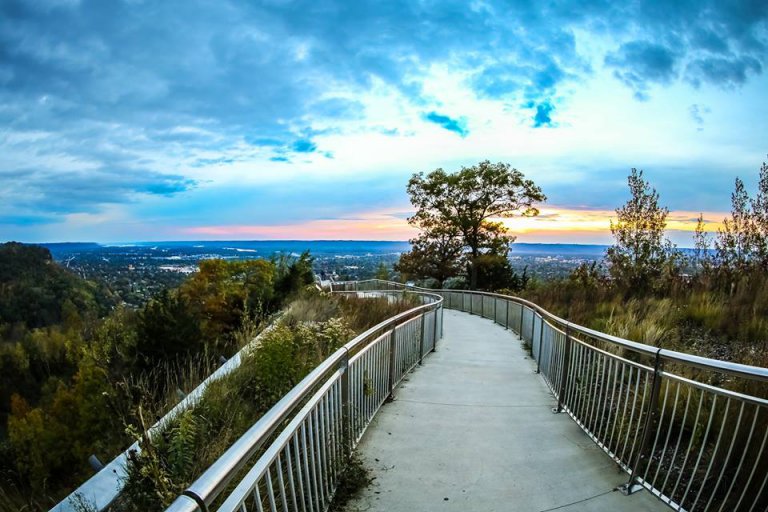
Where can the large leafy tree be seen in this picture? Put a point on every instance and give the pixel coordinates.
(464, 204)
(435, 253)
(640, 252)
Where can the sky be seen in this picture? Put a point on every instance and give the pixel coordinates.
(220, 119)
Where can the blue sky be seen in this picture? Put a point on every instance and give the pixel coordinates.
(139, 120)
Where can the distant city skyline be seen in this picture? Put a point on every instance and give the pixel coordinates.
(129, 120)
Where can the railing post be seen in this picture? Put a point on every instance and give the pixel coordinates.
(346, 410)
(423, 336)
(564, 371)
(392, 349)
(441, 310)
(506, 314)
(533, 320)
(632, 485)
(541, 338)
(520, 329)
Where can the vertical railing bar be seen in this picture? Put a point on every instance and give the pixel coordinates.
(336, 432)
(602, 398)
(384, 370)
(438, 322)
(299, 467)
(590, 358)
(714, 453)
(538, 351)
(326, 445)
(281, 482)
(338, 437)
(690, 445)
(639, 429)
(257, 498)
(320, 465)
(571, 384)
(625, 393)
(658, 430)
(752, 473)
(392, 362)
(270, 491)
(346, 413)
(759, 492)
(548, 362)
(631, 418)
(582, 369)
(318, 460)
(669, 430)
(552, 366)
(741, 461)
(679, 441)
(564, 374)
(557, 357)
(311, 485)
(533, 319)
(313, 461)
(701, 450)
(291, 481)
(606, 384)
(612, 412)
(610, 392)
(618, 407)
(365, 363)
(593, 392)
(578, 388)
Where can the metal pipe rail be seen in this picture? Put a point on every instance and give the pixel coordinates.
(319, 422)
(691, 430)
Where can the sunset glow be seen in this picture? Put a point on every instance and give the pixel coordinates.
(232, 119)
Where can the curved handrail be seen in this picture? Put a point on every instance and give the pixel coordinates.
(207, 488)
(692, 438)
(738, 369)
(104, 487)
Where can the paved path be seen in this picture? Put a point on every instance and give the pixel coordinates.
(472, 430)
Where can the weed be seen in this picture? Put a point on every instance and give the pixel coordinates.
(354, 478)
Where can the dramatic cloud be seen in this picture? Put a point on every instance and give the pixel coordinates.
(452, 125)
(640, 63)
(116, 102)
(304, 146)
(722, 71)
(543, 117)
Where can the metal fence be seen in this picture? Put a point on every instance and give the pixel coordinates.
(292, 458)
(691, 430)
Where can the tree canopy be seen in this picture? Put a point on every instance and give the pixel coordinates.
(455, 214)
(640, 252)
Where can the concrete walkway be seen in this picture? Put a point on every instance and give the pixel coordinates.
(472, 430)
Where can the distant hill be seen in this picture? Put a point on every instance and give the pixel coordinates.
(36, 291)
(563, 250)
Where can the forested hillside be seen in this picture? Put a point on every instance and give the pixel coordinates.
(75, 366)
(36, 292)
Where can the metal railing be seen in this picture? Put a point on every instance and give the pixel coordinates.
(103, 488)
(295, 453)
(691, 430)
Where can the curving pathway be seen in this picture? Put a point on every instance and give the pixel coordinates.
(473, 430)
